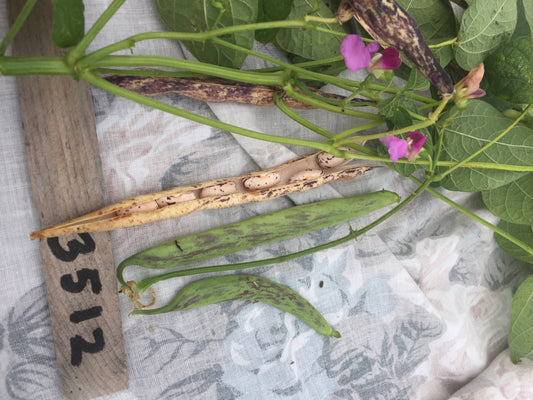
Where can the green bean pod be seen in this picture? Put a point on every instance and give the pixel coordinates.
(256, 231)
(246, 287)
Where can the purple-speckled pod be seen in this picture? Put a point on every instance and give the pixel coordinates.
(388, 22)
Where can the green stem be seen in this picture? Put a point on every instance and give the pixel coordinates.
(356, 129)
(430, 120)
(19, 21)
(79, 50)
(273, 79)
(17, 66)
(197, 36)
(492, 227)
(299, 119)
(442, 44)
(329, 107)
(150, 102)
(147, 282)
(482, 149)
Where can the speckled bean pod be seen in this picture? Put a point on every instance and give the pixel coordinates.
(246, 287)
(295, 176)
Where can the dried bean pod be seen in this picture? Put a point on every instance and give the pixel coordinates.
(121, 215)
(144, 207)
(388, 22)
(214, 90)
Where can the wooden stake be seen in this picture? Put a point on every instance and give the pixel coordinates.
(66, 177)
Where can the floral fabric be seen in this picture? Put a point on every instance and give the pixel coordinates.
(422, 302)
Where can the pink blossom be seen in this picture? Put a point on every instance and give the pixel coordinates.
(409, 147)
(469, 85)
(357, 55)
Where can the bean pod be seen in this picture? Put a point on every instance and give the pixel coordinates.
(295, 176)
(245, 287)
(256, 231)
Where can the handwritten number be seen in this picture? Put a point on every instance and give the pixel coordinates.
(83, 315)
(74, 247)
(79, 345)
(84, 275)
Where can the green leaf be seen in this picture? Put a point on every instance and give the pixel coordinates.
(485, 25)
(510, 71)
(204, 15)
(523, 233)
(472, 129)
(512, 202)
(523, 27)
(307, 43)
(520, 336)
(69, 23)
(245, 287)
(271, 10)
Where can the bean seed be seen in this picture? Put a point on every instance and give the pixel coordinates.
(261, 181)
(218, 190)
(327, 160)
(173, 199)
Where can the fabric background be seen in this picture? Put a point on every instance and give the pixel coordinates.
(422, 301)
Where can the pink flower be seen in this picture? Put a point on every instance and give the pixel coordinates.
(357, 55)
(409, 147)
(470, 83)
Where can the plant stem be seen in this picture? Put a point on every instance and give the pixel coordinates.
(356, 129)
(299, 119)
(19, 21)
(150, 102)
(17, 66)
(430, 120)
(271, 79)
(329, 107)
(442, 44)
(470, 214)
(197, 36)
(79, 50)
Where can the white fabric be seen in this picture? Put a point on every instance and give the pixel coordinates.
(422, 301)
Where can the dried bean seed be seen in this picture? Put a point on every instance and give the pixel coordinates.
(218, 190)
(261, 181)
(173, 199)
(327, 160)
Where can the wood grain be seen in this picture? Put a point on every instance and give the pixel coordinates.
(65, 170)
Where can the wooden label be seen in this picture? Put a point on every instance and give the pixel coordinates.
(65, 171)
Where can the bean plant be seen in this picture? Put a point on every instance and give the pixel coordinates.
(461, 119)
